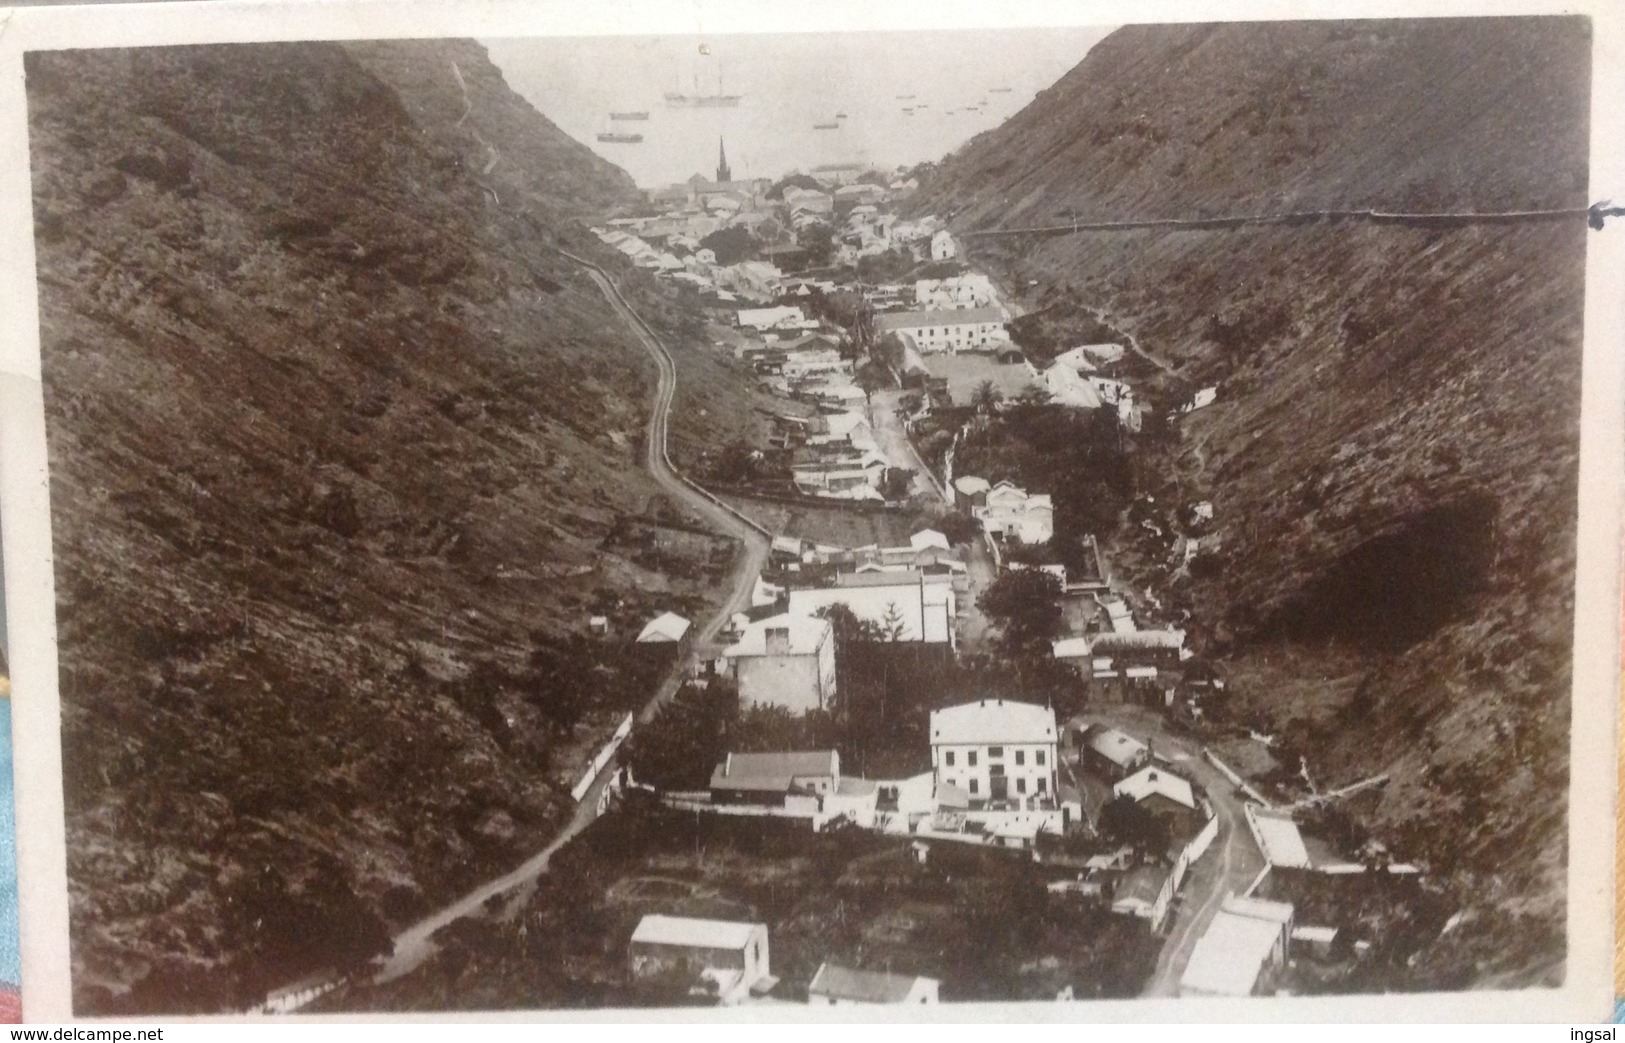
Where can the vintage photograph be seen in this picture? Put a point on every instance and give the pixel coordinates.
(780, 519)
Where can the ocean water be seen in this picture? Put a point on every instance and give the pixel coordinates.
(789, 82)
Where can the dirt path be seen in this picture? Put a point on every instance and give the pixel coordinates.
(898, 449)
(413, 945)
(1227, 867)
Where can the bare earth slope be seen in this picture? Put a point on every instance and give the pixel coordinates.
(333, 431)
(1392, 454)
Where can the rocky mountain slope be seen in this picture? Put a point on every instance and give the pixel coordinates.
(1392, 455)
(342, 450)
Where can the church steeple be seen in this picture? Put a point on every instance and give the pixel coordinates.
(724, 175)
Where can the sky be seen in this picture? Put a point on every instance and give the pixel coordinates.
(789, 82)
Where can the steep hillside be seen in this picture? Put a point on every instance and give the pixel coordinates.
(341, 450)
(456, 95)
(1392, 456)
(1204, 120)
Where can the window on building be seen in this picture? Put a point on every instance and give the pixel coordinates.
(995, 751)
(973, 785)
(970, 758)
(1021, 757)
(1043, 785)
(948, 758)
(1021, 785)
(1040, 761)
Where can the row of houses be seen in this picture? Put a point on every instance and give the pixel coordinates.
(993, 779)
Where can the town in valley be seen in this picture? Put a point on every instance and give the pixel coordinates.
(1129, 555)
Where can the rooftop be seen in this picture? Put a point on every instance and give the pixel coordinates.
(1150, 781)
(656, 929)
(1279, 837)
(950, 317)
(993, 721)
(806, 635)
(1227, 959)
(1116, 747)
(668, 626)
(924, 610)
(773, 772)
(846, 983)
(1139, 640)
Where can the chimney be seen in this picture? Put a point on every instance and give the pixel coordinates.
(728, 766)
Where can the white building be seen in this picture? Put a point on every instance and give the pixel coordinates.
(952, 329)
(787, 317)
(786, 661)
(666, 627)
(1068, 387)
(1241, 952)
(921, 611)
(1010, 512)
(995, 750)
(971, 290)
(728, 956)
(942, 246)
(1155, 784)
(752, 278)
(837, 986)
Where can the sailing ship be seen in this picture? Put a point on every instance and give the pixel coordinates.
(827, 126)
(618, 137)
(696, 100)
(623, 116)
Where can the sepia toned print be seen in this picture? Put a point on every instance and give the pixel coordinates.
(1043, 516)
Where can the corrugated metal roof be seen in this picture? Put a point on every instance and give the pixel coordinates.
(902, 320)
(1120, 749)
(658, 929)
(1153, 780)
(1227, 959)
(1280, 839)
(846, 983)
(668, 626)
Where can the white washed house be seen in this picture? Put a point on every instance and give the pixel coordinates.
(786, 661)
(995, 750)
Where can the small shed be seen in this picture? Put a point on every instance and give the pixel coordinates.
(838, 986)
(666, 627)
(730, 955)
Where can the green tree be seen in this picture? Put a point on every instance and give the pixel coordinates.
(819, 242)
(894, 485)
(1125, 821)
(687, 738)
(871, 378)
(731, 245)
(1026, 605)
(986, 398)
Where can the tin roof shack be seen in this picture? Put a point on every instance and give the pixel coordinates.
(1112, 753)
(837, 986)
(1242, 952)
(796, 781)
(725, 958)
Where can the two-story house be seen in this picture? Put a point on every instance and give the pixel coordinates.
(995, 750)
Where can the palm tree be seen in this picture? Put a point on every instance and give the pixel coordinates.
(986, 398)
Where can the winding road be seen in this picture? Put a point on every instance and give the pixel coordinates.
(413, 945)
